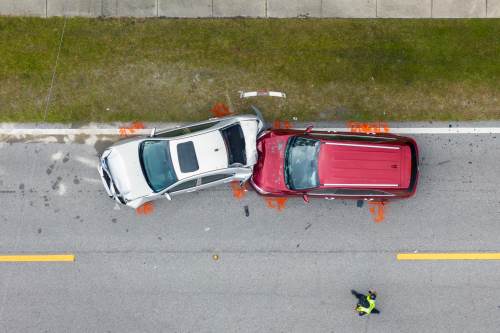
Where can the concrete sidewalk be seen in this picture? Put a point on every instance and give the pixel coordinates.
(255, 8)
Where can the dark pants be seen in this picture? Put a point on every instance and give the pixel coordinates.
(361, 298)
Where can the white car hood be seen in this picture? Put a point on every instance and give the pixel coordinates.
(125, 168)
(250, 129)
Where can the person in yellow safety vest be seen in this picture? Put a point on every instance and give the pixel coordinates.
(366, 303)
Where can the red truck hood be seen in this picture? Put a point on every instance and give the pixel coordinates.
(269, 176)
(364, 165)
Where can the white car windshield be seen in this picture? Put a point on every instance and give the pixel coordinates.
(157, 165)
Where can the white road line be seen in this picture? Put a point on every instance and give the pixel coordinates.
(67, 131)
(429, 130)
(116, 131)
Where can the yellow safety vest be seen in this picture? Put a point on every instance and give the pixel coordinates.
(370, 307)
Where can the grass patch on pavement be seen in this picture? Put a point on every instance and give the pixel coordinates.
(175, 70)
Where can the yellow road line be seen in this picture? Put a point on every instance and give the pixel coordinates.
(450, 256)
(37, 258)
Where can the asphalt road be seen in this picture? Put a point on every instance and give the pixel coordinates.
(288, 270)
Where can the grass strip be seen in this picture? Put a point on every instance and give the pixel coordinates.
(175, 70)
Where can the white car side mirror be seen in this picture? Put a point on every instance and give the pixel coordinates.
(167, 196)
